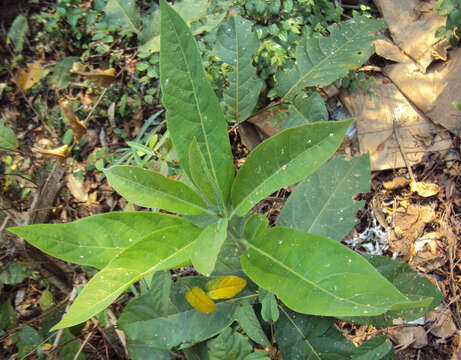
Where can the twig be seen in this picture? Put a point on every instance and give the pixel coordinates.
(72, 296)
(121, 335)
(4, 222)
(95, 105)
(80, 349)
(394, 131)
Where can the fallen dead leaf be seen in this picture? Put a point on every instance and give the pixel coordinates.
(414, 336)
(412, 30)
(78, 127)
(103, 78)
(62, 151)
(443, 325)
(433, 92)
(76, 188)
(388, 50)
(397, 116)
(424, 189)
(396, 183)
(27, 78)
(409, 224)
(426, 254)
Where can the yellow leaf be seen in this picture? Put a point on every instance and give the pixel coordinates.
(424, 189)
(78, 128)
(62, 151)
(99, 77)
(27, 78)
(225, 287)
(197, 298)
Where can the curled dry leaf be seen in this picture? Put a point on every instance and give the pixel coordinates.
(27, 78)
(424, 189)
(103, 78)
(62, 151)
(78, 127)
(200, 301)
(414, 336)
(76, 188)
(225, 287)
(396, 183)
(443, 325)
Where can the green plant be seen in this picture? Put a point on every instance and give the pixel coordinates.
(286, 268)
(452, 29)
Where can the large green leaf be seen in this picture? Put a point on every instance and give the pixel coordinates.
(323, 60)
(145, 326)
(192, 107)
(324, 204)
(123, 14)
(409, 283)
(8, 140)
(163, 250)
(206, 248)
(17, 32)
(189, 10)
(247, 319)
(315, 275)
(150, 189)
(97, 239)
(235, 45)
(229, 345)
(285, 159)
(315, 338)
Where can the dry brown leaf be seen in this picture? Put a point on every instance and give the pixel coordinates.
(396, 183)
(411, 223)
(103, 78)
(396, 116)
(414, 336)
(424, 189)
(62, 151)
(412, 30)
(76, 188)
(434, 92)
(78, 127)
(443, 326)
(388, 50)
(27, 78)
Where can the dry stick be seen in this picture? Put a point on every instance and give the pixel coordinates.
(394, 131)
(95, 105)
(72, 296)
(121, 335)
(80, 349)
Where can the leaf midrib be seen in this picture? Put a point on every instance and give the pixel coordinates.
(343, 180)
(299, 331)
(115, 248)
(310, 282)
(125, 14)
(139, 276)
(242, 202)
(167, 195)
(321, 62)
